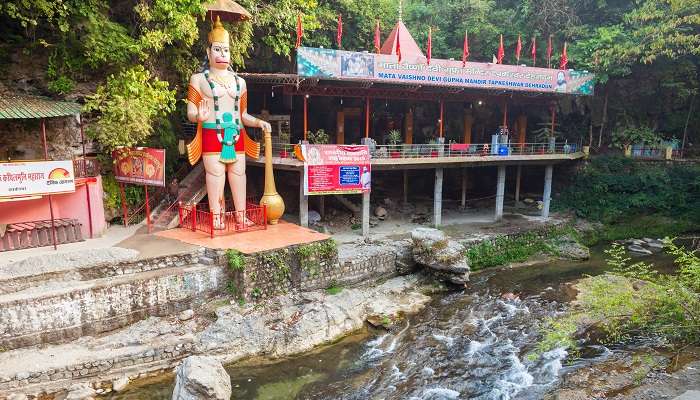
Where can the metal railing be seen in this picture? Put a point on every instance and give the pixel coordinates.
(469, 150)
(652, 152)
(197, 217)
(449, 150)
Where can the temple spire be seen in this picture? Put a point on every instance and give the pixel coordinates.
(400, 10)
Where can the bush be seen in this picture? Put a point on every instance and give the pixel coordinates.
(634, 300)
(504, 250)
(615, 189)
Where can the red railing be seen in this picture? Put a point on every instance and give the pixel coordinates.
(197, 217)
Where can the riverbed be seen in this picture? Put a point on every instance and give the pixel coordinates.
(469, 344)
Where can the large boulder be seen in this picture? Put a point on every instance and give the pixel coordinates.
(201, 378)
(444, 256)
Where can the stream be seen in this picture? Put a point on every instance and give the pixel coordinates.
(471, 344)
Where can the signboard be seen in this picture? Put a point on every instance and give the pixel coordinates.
(139, 165)
(33, 178)
(336, 169)
(338, 64)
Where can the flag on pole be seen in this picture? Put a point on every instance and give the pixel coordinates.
(501, 52)
(564, 58)
(465, 49)
(377, 39)
(430, 44)
(398, 43)
(549, 52)
(518, 49)
(300, 31)
(339, 34)
(533, 51)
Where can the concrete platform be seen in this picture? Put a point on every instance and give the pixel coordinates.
(276, 236)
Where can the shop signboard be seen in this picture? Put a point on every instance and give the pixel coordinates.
(139, 165)
(36, 178)
(336, 169)
(350, 65)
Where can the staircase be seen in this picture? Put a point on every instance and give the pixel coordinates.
(192, 190)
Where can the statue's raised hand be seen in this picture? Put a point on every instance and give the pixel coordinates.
(265, 126)
(203, 110)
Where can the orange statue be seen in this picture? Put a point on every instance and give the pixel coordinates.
(217, 101)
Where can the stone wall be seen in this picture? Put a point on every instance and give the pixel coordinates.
(75, 309)
(21, 139)
(304, 267)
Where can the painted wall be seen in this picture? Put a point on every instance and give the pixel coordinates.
(69, 205)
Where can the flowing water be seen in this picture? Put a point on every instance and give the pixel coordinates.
(471, 344)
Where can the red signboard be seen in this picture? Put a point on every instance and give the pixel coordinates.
(336, 169)
(139, 165)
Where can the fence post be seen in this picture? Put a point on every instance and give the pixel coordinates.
(194, 217)
(211, 224)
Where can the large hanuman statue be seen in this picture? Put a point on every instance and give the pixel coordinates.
(217, 101)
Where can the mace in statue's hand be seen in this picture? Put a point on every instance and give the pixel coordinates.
(265, 126)
(203, 110)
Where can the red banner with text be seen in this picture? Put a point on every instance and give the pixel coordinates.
(139, 165)
(336, 169)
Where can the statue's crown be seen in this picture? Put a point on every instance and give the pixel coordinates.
(218, 33)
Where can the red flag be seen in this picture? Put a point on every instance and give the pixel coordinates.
(300, 31)
(339, 35)
(398, 44)
(533, 51)
(501, 52)
(377, 38)
(564, 58)
(430, 44)
(549, 52)
(518, 49)
(465, 50)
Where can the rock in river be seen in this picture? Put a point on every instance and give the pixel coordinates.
(201, 378)
(433, 249)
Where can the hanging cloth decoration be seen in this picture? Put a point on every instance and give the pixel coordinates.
(501, 52)
(339, 34)
(398, 43)
(549, 52)
(300, 32)
(377, 38)
(533, 51)
(518, 49)
(564, 58)
(465, 50)
(430, 44)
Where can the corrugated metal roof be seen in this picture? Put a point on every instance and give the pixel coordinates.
(22, 106)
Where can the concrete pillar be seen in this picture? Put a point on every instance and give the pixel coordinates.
(437, 199)
(340, 127)
(405, 186)
(522, 128)
(546, 196)
(517, 183)
(409, 126)
(464, 188)
(468, 124)
(500, 190)
(365, 214)
(303, 202)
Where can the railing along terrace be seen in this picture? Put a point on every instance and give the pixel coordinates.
(652, 152)
(284, 150)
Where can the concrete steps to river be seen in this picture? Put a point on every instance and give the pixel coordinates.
(58, 305)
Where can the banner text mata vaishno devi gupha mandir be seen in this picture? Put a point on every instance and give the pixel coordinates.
(338, 64)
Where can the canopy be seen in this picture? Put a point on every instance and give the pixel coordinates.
(25, 106)
(227, 10)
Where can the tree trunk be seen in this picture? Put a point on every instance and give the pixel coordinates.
(590, 133)
(687, 119)
(604, 121)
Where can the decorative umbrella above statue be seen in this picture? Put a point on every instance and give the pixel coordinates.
(217, 100)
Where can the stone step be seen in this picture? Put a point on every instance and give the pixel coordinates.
(78, 267)
(62, 311)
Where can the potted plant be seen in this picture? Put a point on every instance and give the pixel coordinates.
(284, 141)
(318, 137)
(394, 138)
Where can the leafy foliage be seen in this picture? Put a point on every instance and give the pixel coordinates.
(612, 189)
(129, 104)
